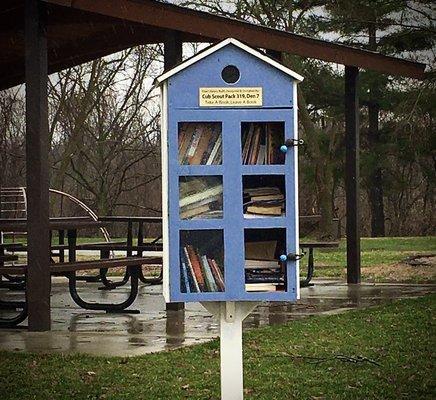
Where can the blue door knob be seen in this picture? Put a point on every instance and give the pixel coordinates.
(283, 148)
(283, 257)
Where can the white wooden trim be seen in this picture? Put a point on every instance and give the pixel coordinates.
(297, 219)
(298, 78)
(165, 211)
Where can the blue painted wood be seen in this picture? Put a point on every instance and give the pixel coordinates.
(183, 87)
(183, 106)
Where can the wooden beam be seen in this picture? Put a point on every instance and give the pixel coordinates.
(173, 51)
(213, 27)
(352, 174)
(37, 166)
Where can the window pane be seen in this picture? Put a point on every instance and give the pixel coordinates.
(200, 143)
(263, 271)
(261, 143)
(263, 196)
(200, 197)
(202, 261)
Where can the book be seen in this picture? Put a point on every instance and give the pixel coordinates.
(219, 279)
(208, 276)
(267, 197)
(185, 281)
(264, 278)
(193, 212)
(261, 250)
(185, 137)
(265, 210)
(209, 193)
(214, 152)
(196, 266)
(260, 287)
(190, 269)
(263, 201)
(260, 264)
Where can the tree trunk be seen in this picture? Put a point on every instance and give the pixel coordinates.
(375, 189)
(323, 170)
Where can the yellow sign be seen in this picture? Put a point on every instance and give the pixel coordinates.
(230, 97)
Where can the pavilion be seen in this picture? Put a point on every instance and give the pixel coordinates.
(40, 37)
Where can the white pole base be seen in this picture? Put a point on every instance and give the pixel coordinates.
(231, 315)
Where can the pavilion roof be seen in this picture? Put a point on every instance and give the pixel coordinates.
(82, 30)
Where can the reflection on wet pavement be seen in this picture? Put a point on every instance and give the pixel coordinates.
(154, 329)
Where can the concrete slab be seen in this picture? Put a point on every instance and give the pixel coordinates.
(78, 331)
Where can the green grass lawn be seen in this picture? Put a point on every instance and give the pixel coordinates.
(306, 359)
(377, 253)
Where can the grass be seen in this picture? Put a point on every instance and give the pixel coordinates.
(377, 253)
(297, 360)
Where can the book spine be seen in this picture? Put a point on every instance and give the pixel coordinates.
(193, 146)
(247, 146)
(209, 193)
(255, 147)
(183, 156)
(206, 155)
(195, 286)
(214, 151)
(195, 261)
(216, 274)
(210, 281)
(184, 277)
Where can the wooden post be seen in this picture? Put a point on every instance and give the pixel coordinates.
(352, 174)
(37, 166)
(277, 55)
(173, 50)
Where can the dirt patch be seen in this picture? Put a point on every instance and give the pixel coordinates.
(418, 269)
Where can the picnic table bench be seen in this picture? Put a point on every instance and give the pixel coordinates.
(72, 266)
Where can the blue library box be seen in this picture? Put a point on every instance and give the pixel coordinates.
(229, 177)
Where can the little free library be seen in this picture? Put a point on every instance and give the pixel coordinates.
(230, 169)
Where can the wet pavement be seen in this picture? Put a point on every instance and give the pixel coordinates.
(78, 331)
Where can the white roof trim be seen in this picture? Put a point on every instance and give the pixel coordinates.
(220, 45)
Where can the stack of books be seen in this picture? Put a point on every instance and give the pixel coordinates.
(201, 198)
(261, 144)
(200, 143)
(199, 273)
(263, 201)
(263, 273)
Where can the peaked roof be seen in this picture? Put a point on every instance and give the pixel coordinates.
(212, 49)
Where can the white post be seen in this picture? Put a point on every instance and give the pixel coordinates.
(232, 385)
(231, 315)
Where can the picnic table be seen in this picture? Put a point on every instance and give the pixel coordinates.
(71, 225)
